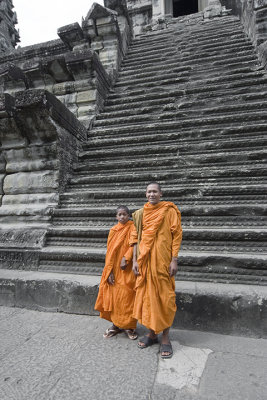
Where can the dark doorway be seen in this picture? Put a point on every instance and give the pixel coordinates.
(184, 7)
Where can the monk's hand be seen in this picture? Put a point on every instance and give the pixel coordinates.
(173, 267)
(135, 268)
(111, 279)
(123, 263)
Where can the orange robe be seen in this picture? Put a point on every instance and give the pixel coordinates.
(155, 304)
(115, 302)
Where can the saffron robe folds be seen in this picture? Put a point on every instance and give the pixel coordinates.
(115, 302)
(155, 304)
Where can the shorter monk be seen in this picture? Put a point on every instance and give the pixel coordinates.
(116, 291)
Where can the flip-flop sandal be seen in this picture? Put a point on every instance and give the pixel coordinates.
(148, 341)
(131, 334)
(166, 348)
(111, 332)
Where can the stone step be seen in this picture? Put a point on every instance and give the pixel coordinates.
(175, 156)
(197, 194)
(71, 260)
(202, 238)
(207, 244)
(220, 171)
(189, 135)
(217, 86)
(223, 66)
(173, 78)
(192, 216)
(255, 120)
(163, 49)
(221, 27)
(83, 183)
(183, 101)
(189, 59)
(218, 31)
(153, 77)
(231, 67)
(239, 39)
(194, 178)
(189, 107)
(193, 121)
(228, 78)
(207, 49)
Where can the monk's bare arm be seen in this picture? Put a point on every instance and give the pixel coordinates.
(135, 264)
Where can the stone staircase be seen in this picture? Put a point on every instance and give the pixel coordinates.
(189, 110)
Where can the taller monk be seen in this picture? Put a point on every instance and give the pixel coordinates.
(156, 242)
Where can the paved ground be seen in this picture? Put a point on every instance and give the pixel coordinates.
(49, 356)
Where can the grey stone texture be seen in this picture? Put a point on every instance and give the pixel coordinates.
(9, 35)
(59, 356)
(214, 307)
(187, 108)
(253, 15)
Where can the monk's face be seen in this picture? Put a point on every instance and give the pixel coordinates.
(122, 216)
(153, 194)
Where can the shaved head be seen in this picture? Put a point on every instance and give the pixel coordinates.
(154, 183)
(126, 209)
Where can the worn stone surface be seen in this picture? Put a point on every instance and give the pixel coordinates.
(196, 126)
(9, 35)
(59, 356)
(213, 307)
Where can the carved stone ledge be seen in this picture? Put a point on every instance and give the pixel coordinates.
(72, 35)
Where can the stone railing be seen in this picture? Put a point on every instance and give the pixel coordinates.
(253, 15)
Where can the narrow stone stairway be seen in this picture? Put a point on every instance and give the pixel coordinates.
(189, 110)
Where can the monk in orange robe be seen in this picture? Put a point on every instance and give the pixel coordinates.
(159, 236)
(116, 291)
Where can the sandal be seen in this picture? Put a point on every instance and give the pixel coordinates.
(112, 331)
(147, 341)
(166, 348)
(131, 334)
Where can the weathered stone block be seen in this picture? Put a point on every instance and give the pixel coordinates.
(36, 199)
(32, 158)
(63, 88)
(260, 4)
(85, 97)
(31, 182)
(19, 259)
(71, 34)
(22, 238)
(84, 111)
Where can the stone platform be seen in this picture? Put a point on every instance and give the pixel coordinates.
(64, 357)
(228, 309)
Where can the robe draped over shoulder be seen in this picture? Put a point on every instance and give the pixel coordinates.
(115, 302)
(155, 304)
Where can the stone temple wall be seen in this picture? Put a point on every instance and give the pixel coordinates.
(253, 15)
(49, 96)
